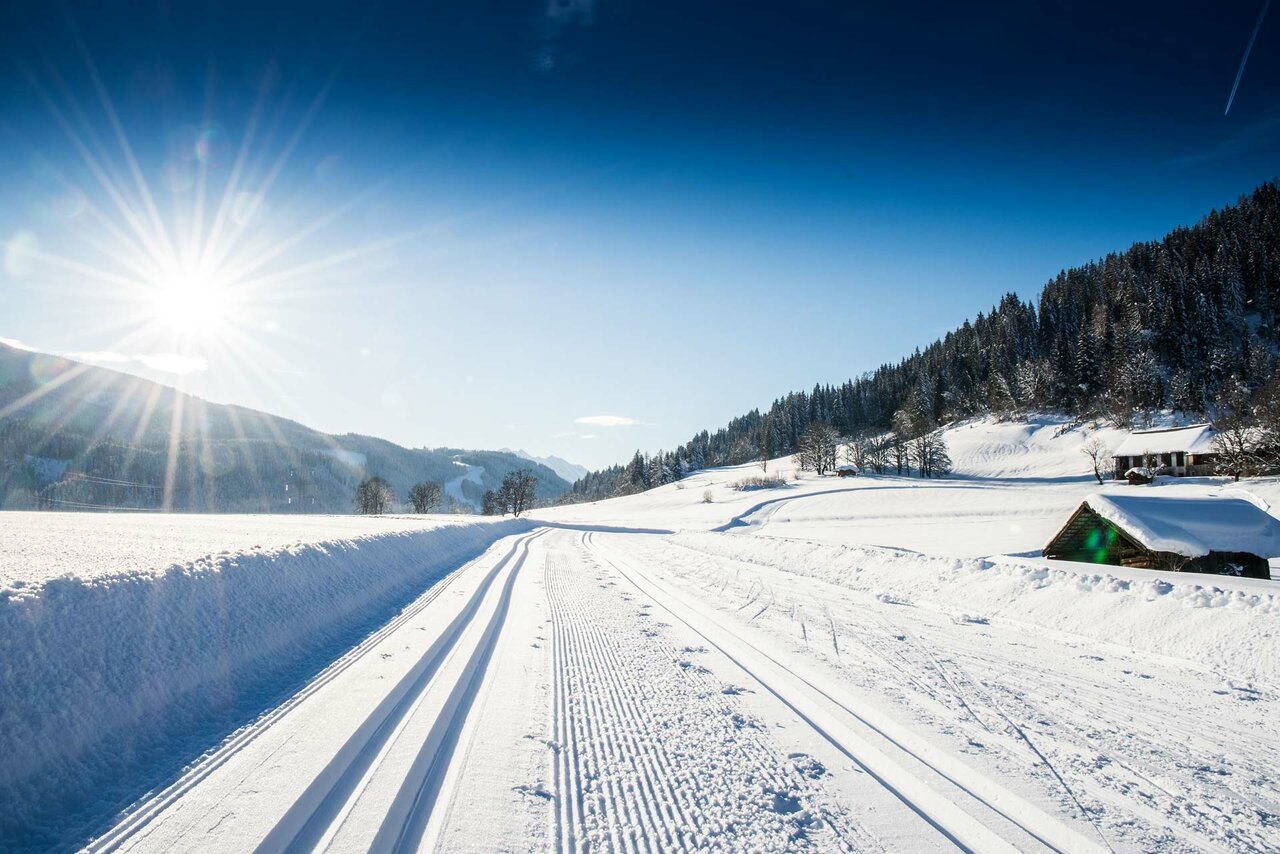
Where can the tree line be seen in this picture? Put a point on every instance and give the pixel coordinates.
(375, 496)
(517, 494)
(1182, 324)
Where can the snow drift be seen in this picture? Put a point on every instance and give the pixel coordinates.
(1224, 625)
(111, 683)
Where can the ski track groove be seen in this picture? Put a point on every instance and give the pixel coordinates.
(1132, 745)
(143, 813)
(990, 800)
(409, 819)
(620, 788)
(325, 802)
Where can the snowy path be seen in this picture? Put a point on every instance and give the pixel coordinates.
(584, 691)
(1130, 750)
(892, 755)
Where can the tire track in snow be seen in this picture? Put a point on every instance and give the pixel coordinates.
(141, 815)
(838, 723)
(321, 807)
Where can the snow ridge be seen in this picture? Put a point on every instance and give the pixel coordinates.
(1221, 624)
(126, 677)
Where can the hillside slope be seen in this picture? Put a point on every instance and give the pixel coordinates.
(1187, 323)
(75, 436)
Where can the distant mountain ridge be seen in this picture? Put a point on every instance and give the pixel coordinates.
(567, 470)
(77, 436)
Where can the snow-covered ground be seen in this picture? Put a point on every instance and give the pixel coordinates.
(876, 664)
(469, 474)
(35, 547)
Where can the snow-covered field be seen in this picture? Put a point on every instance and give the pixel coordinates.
(876, 664)
(88, 545)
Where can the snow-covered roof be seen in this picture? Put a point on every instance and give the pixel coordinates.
(1191, 526)
(846, 467)
(1196, 439)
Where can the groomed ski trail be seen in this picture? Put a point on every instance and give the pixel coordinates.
(862, 735)
(651, 751)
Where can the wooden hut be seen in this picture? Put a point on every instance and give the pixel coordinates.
(1225, 536)
(847, 470)
(1140, 477)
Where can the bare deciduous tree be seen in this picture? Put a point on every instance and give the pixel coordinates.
(1096, 450)
(517, 493)
(929, 453)
(877, 454)
(817, 449)
(374, 496)
(425, 496)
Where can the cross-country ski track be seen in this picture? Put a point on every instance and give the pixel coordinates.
(583, 689)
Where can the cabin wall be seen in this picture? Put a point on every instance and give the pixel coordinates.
(1177, 464)
(1088, 538)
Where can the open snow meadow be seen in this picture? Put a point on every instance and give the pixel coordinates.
(859, 664)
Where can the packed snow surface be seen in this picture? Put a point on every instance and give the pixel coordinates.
(35, 547)
(875, 663)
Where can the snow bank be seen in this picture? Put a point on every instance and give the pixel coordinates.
(1225, 625)
(109, 684)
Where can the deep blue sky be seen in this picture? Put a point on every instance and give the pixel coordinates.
(666, 213)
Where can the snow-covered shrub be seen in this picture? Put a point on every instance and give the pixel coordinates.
(748, 484)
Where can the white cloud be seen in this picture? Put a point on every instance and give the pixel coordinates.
(169, 363)
(99, 356)
(606, 420)
(20, 253)
(587, 436)
(173, 363)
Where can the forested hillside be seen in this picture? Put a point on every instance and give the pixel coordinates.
(74, 436)
(1177, 324)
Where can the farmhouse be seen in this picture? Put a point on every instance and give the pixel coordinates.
(1179, 451)
(1226, 536)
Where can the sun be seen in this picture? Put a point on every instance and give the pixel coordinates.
(191, 302)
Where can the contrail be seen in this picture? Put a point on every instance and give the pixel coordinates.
(1245, 58)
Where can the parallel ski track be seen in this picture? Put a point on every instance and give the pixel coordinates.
(947, 681)
(323, 805)
(146, 811)
(611, 767)
(790, 688)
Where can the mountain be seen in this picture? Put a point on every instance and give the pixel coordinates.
(567, 470)
(77, 436)
(1189, 323)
